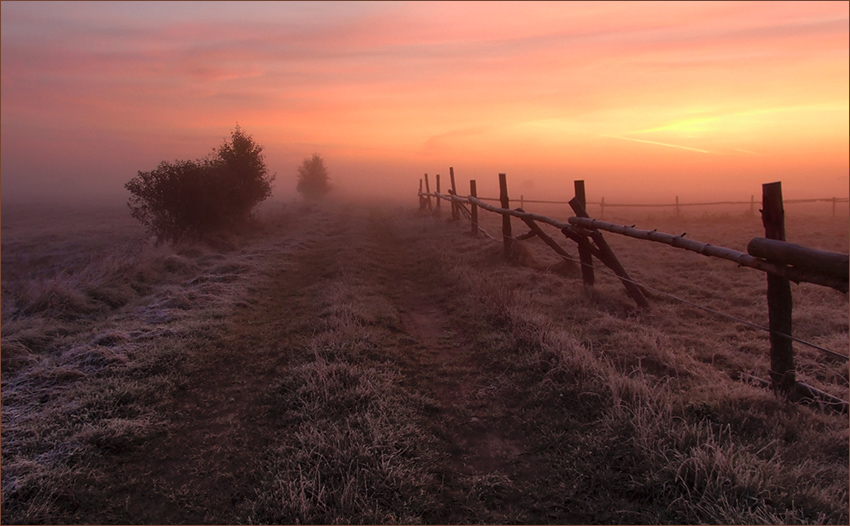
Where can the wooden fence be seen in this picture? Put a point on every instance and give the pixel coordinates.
(781, 261)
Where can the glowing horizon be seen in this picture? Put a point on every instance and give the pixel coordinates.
(641, 99)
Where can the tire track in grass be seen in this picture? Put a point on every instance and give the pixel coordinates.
(478, 444)
(490, 459)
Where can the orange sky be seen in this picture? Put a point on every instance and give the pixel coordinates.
(642, 100)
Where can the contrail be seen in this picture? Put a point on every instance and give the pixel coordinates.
(658, 143)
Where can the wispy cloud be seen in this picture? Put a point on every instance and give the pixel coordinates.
(657, 143)
(704, 77)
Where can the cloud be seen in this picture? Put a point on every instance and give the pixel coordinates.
(658, 143)
(539, 80)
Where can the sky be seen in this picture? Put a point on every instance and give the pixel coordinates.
(644, 101)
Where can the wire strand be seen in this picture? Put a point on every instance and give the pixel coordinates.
(719, 313)
(702, 307)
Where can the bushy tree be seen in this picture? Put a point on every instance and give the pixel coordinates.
(196, 198)
(313, 178)
(242, 174)
(169, 202)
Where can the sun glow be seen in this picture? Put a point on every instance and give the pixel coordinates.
(678, 92)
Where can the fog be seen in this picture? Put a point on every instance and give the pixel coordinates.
(99, 177)
(697, 100)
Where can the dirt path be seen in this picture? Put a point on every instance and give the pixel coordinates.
(205, 469)
(482, 437)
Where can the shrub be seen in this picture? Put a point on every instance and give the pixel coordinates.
(196, 198)
(313, 177)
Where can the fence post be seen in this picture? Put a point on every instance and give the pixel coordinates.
(421, 197)
(455, 213)
(584, 254)
(428, 191)
(606, 255)
(438, 191)
(779, 304)
(473, 207)
(602, 208)
(506, 219)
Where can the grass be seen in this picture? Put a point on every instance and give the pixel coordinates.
(372, 365)
(350, 444)
(657, 426)
(92, 348)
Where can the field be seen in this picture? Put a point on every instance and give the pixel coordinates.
(356, 363)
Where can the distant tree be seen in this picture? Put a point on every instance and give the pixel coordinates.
(313, 178)
(196, 198)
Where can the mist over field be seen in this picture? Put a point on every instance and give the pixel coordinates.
(224, 300)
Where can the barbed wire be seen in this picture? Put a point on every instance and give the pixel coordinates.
(673, 205)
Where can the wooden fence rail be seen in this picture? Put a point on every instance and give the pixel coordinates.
(795, 274)
(781, 261)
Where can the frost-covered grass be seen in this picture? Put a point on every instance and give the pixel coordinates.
(93, 344)
(643, 408)
(626, 416)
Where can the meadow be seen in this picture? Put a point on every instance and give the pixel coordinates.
(368, 363)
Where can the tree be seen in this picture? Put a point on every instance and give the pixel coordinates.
(313, 178)
(242, 174)
(196, 198)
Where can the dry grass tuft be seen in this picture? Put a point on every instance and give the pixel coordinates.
(350, 449)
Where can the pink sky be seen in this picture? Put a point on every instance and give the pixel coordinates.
(642, 100)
